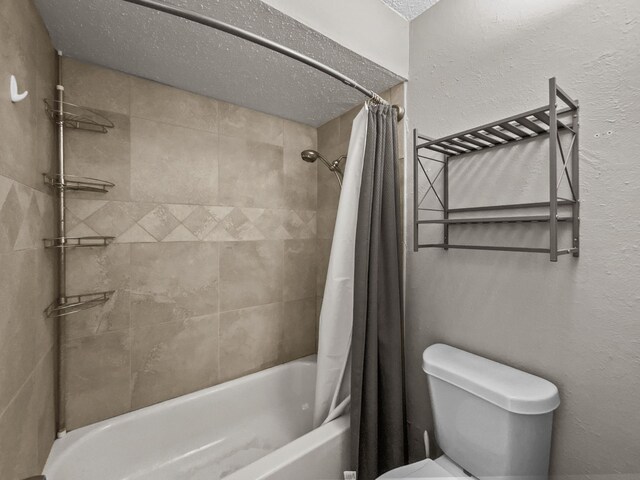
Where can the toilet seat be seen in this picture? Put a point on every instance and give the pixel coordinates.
(422, 470)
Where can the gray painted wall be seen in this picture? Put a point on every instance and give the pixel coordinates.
(577, 322)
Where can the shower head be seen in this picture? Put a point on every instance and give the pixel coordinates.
(310, 155)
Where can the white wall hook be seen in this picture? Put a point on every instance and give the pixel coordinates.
(15, 96)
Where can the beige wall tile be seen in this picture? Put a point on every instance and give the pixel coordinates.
(297, 225)
(180, 234)
(43, 295)
(17, 158)
(299, 136)
(299, 269)
(44, 406)
(98, 377)
(25, 216)
(112, 316)
(98, 269)
(19, 439)
(11, 216)
(173, 281)
(96, 87)
(326, 222)
(251, 173)
(103, 156)
(300, 181)
(173, 358)
(162, 103)
(250, 274)
(300, 178)
(236, 121)
(268, 222)
(299, 330)
(250, 340)
(329, 134)
(173, 164)
(46, 80)
(115, 218)
(32, 229)
(159, 222)
(26, 272)
(17, 322)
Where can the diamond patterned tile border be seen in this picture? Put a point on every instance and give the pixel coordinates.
(133, 222)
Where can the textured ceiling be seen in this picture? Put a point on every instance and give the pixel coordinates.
(176, 52)
(410, 9)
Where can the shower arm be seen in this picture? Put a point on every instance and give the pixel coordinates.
(335, 167)
(257, 39)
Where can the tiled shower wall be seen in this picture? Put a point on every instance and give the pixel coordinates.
(214, 261)
(333, 141)
(26, 268)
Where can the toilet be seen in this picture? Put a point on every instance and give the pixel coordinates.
(492, 421)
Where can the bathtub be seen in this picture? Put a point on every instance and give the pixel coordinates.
(257, 427)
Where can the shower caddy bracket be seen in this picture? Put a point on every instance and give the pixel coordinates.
(67, 115)
(546, 122)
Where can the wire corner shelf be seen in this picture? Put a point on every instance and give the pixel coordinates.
(77, 117)
(545, 122)
(78, 184)
(74, 242)
(64, 306)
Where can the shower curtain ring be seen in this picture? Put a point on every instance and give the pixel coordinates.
(376, 99)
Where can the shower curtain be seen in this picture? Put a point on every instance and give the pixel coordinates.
(378, 414)
(360, 348)
(336, 315)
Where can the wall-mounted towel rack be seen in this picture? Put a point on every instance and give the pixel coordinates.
(545, 122)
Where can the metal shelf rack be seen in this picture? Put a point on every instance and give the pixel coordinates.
(75, 116)
(66, 115)
(78, 184)
(74, 242)
(77, 303)
(545, 122)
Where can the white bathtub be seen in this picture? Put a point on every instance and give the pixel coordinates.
(257, 427)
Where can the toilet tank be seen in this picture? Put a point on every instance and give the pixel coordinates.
(492, 420)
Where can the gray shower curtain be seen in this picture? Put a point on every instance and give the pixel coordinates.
(378, 414)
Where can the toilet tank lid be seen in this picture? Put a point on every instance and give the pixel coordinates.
(508, 388)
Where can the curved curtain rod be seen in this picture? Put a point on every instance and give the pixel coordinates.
(252, 37)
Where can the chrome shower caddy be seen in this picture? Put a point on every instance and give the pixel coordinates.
(67, 115)
(543, 122)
